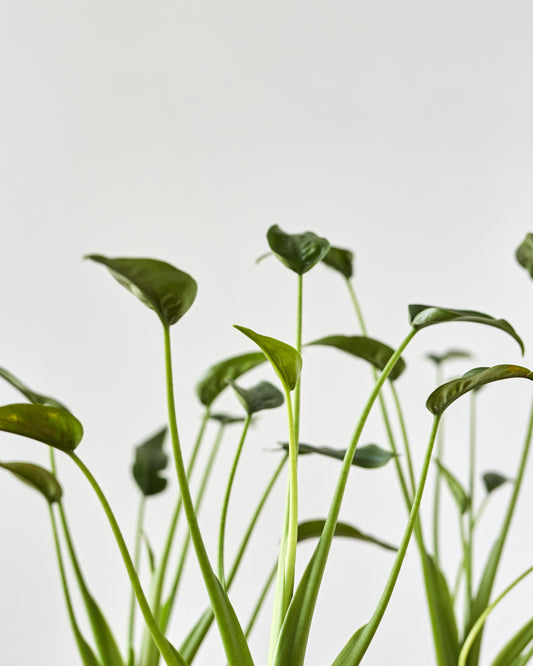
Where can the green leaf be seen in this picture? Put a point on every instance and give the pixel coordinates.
(227, 419)
(460, 496)
(149, 551)
(149, 462)
(375, 352)
(55, 427)
(285, 360)
(107, 646)
(310, 529)
(37, 477)
(524, 253)
(444, 395)
(450, 355)
(369, 456)
(217, 377)
(512, 649)
(299, 252)
(261, 396)
(493, 480)
(33, 396)
(160, 286)
(340, 260)
(421, 316)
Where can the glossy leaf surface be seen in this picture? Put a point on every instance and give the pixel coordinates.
(340, 260)
(37, 477)
(375, 352)
(421, 316)
(55, 427)
(369, 456)
(261, 396)
(299, 252)
(160, 286)
(524, 253)
(455, 487)
(444, 395)
(150, 460)
(450, 355)
(217, 377)
(33, 396)
(310, 529)
(493, 480)
(285, 360)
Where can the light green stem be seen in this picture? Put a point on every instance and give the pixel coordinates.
(136, 561)
(260, 601)
(292, 536)
(405, 437)
(437, 487)
(469, 554)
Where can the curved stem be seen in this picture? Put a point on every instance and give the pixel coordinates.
(469, 553)
(405, 437)
(260, 601)
(136, 561)
(437, 487)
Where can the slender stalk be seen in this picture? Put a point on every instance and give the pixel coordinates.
(437, 487)
(260, 601)
(405, 437)
(357, 308)
(136, 562)
(172, 658)
(469, 553)
(297, 388)
(225, 503)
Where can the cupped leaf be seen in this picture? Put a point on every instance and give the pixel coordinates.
(340, 260)
(524, 253)
(455, 487)
(493, 480)
(299, 252)
(160, 286)
(37, 477)
(285, 360)
(444, 395)
(450, 355)
(33, 396)
(261, 396)
(421, 316)
(149, 462)
(310, 529)
(217, 377)
(226, 419)
(369, 456)
(56, 427)
(375, 352)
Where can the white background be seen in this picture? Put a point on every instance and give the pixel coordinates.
(182, 131)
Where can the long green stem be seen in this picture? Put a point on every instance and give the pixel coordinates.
(260, 601)
(469, 554)
(297, 389)
(236, 648)
(136, 561)
(437, 487)
(172, 658)
(225, 503)
(405, 437)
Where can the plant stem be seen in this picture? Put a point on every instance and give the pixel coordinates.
(292, 536)
(136, 561)
(437, 487)
(260, 601)
(469, 555)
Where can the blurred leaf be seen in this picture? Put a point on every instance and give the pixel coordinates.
(299, 252)
(227, 419)
(340, 260)
(261, 396)
(421, 316)
(149, 551)
(444, 395)
(450, 355)
(37, 477)
(493, 480)
(285, 360)
(310, 529)
(160, 286)
(35, 398)
(509, 655)
(524, 253)
(217, 377)
(55, 427)
(375, 352)
(369, 456)
(149, 462)
(454, 485)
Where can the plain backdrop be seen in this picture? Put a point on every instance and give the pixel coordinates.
(183, 131)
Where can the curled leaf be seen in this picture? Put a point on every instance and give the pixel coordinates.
(285, 360)
(33, 396)
(149, 462)
(261, 396)
(450, 355)
(493, 480)
(56, 427)
(160, 286)
(299, 252)
(421, 316)
(310, 529)
(37, 477)
(375, 352)
(218, 376)
(340, 260)
(370, 456)
(524, 253)
(444, 395)
(459, 494)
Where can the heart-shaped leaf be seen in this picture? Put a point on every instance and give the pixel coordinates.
(56, 427)
(444, 395)
(261, 396)
(226, 419)
(524, 253)
(162, 287)
(375, 352)
(37, 477)
(299, 252)
(493, 480)
(310, 529)
(340, 260)
(285, 360)
(421, 316)
(33, 396)
(149, 462)
(217, 377)
(454, 485)
(450, 355)
(370, 456)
